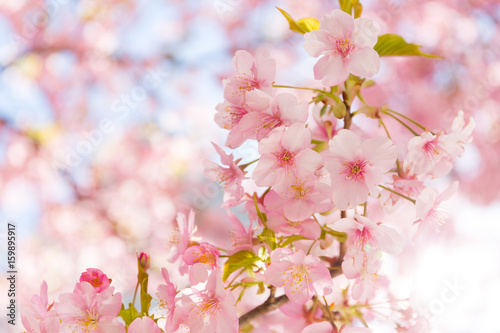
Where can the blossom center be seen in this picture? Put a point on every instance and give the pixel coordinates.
(299, 275)
(342, 46)
(300, 191)
(95, 281)
(89, 320)
(237, 239)
(248, 82)
(206, 309)
(233, 115)
(354, 170)
(271, 122)
(206, 258)
(363, 239)
(286, 159)
(175, 236)
(434, 150)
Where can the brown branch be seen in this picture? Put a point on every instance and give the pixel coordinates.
(347, 117)
(271, 304)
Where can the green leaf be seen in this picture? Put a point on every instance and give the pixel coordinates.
(129, 314)
(145, 297)
(320, 146)
(309, 24)
(241, 259)
(268, 236)
(291, 239)
(394, 45)
(358, 9)
(367, 84)
(301, 26)
(346, 6)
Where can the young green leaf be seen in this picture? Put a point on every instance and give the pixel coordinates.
(128, 315)
(268, 236)
(301, 26)
(346, 6)
(394, 45)
(241, 259)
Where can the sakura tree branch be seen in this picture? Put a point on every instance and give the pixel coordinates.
(272, 303)
(347, 117)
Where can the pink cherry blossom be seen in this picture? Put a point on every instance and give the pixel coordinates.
(280, 224)
(428, 208)
(40, 317)
(143, 325)
(230, 178)
(181, 235)
(363, 233)
(251, 73)
(84, 310)
(366, 279)
(302, 198)
(206, 311)
(406, 184)
(428, 154)
(356, 167)
(228, 117)
(166, 292)
(268, 113)
(301, 276)
(96, 278)
(241, 238)
(204, 253)
(432, 154)
(362, 261)
(346, 45)
(460, 134)
(286, 153)
(324, 126)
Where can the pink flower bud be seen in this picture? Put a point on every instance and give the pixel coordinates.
(144, 260)
(96, 278)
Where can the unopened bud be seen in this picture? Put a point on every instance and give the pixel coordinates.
(370, 111)
(339, 110)
(144, 260)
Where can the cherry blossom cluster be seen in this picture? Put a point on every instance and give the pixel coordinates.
(310, 245)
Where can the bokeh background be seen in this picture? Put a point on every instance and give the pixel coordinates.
(106, 115)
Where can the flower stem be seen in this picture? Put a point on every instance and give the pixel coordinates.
(330, 316)
(310, 248)
(385, 128)
(135, 292)
(336, 98)
(400, 194)
(400, 121)
(408, 118)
